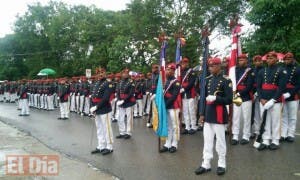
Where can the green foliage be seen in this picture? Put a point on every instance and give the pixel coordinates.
(71, 39)
(278, 26)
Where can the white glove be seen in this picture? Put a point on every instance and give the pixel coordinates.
(286, 95)
(211, 98)
(238, 94)
(120, 102)
(255, 94)
(181, 90)
(269, 104)
(90, 96)
(147, 93)
(78, 94)
(57, 98)
(93, 109)
(153, 97)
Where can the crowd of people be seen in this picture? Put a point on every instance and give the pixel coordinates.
(268, 93)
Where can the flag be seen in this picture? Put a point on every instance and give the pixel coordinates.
(235, 52)
(178, 57)
(160, 120)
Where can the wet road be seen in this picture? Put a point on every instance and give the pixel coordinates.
(138, 157)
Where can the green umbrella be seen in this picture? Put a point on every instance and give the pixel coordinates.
(47, 71)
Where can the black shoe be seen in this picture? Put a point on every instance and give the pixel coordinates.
(65, 118)
(234, 142)
(150, 126)
(192, 131)
(273, 147)
(60, 118)
(146, 114)
(120, 136)
(244, 141)
(107, 151)
(172, 149)
(201, 170)
(164, 149)
(127, 136)
(262, 147)
(185, 132)
(220, 171)
(282, 139)
(253, 136)
(134, 116)
(290, 139)
(96, 151)
(114, 120)
(21, 115)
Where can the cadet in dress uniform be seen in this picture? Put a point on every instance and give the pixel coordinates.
(154, 80)
(171, 94)
(139, 90)
(245, 79)
(215, 117)
(290, 107)
(23, 99)
(115, 108)
(148, 90)
(63, 95)
(126, 101)
(258, 65)
(188, 94)
(271, 83)
(102, 108)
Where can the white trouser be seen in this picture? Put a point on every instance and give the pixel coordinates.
(209, 132)
(257, 117)
(148, 104)
(289, 118)
(50, 102)
(138, 107)
(173, 128)
(36, 100)
(77, 103)
(24, 106)
(189, 113)
(125, 129)
(239, 112)
(64, 110)
(81, 101)
(114, 108)
(104, 131)
(72, 102)
(272, 126)
(45, 101)
(6, 96)
(87, 106)
(42, 101)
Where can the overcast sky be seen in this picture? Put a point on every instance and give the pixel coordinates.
(11, 8)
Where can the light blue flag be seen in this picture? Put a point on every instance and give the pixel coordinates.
(162, 130)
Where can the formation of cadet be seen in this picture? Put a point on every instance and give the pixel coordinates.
(268, 90)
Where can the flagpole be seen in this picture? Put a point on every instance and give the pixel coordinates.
(205, 41)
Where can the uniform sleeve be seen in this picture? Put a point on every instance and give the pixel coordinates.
(249, 84)
(174, 91)
(259, 80)
(228, 94)
(105, 98)
(130, 92)
(192, 80)
(282, 80)
(297, 82)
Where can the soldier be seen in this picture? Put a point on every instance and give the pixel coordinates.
(50, 95)
(258, 65)
(72, 95)
(63, 96)
(171, 94)
(23, 99)
(271, 83)
(290, 107)
(126, 101)
(102, 108)
(139, 91)
(215, 117)
(188, 94)
(245, 79)
(147, 96)
(154, 80)
(115, 108)
(1, 92)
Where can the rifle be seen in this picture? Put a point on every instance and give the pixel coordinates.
(258, 140)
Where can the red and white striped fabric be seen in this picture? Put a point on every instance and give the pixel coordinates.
(236, 50)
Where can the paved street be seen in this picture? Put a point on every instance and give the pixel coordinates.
(138, 157)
